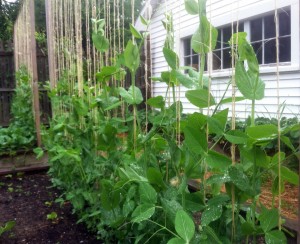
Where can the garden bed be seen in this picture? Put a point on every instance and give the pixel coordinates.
(27, 199)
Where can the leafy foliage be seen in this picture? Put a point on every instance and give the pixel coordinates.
(133, 188)
(21, 131)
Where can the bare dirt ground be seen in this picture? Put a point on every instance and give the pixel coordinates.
(28, 199)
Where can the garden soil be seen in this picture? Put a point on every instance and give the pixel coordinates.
(28, 199)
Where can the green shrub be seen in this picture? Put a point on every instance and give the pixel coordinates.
(20, 134)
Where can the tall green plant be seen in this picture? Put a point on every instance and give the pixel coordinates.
(20, 134)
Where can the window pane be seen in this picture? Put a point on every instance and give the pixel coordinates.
(269, 27)
(195, 62)
(270, 51)
(257, 46)
(218, 46)
(256, 29)
(285, 23)
(226, 36)
(187, 46)
(187, 61)
(241, 27)
(216, 60)
(226, 58)
(285, 49)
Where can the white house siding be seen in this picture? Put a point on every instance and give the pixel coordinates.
(223, 12)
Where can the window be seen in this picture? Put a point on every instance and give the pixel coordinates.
(221, 54)
(190, 57)
(263, 37)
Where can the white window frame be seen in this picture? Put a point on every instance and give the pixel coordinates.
(253, 11)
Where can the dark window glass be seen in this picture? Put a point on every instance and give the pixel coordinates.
(226, 36)
(285, 23)
(187, 47)
(226, 58)
(187, 61)
(257, 46)
(285, 49)
(270, 30)
(217, 60)
(218, 46)
(195, 62)
(270, 51)
(256, 29)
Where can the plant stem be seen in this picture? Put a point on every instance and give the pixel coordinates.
(253, 113)
(202, 65)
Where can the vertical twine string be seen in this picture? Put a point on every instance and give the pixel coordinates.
(278, 113)
(179, 86)
(233, 84)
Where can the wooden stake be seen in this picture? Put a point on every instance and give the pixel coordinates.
(36, 104)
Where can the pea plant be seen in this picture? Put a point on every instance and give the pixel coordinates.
(135, 189)
(20, 134)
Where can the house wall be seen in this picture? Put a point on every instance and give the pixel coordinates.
(222, 12)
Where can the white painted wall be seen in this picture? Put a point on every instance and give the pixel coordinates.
(223, 12)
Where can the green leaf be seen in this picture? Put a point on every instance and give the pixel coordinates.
(156, 102)
(218, 179)
(217, 161)
(132, 96)
(268, 219)
(202, 41)
(211, 214)
(39, 152)
(219, 200)
(7, 227)
(275, 186)
(171, 58)
(155, 177)
(147, 193)
(144, 21)
(236, 137)
(230, 100)
(222, 116)
(176, 241)
(195, 139)
(289, 176)
(239, 179)
(191, 6)
(52, 216)
(200, 98)
(135, 32)
(184, 225)
(215, 127)
(287, 141)
(100, 41)
(110, 198)
(211, 232)
(249, 84)
(262, 132)
(275, 237)
(184, 79)
(132, 56)
(248, 228)
(143, 212)
(106, 73)
(170, 208)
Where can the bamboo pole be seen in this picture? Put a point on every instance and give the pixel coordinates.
(36, 104)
